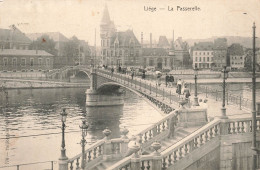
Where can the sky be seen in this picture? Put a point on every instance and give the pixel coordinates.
(82, 17)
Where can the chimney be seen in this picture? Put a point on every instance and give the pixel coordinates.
(151, 40)
(142, 38)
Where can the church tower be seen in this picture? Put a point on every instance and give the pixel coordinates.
(107, 29)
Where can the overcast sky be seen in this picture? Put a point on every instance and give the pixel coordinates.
(81, 17)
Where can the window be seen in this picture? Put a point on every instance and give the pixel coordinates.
(5, 61)
(14, 62)
(196, 58)
(208, 53)
(200, 58)
(47, 62)
(207, 58)
(39, 61)
(203, 59)
(165, 63)
(108, 43)
(195, 53)
(200, 53)
(203, 53)
(23, 62)
(31, 62)
(151, 62)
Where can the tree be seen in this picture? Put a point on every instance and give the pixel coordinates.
(44, 43)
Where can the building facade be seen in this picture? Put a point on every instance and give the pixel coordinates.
(25, 60)
(118, 48)
(203, 55)
(236, 56)
(14, 39)
(157, 58)
(220, 53)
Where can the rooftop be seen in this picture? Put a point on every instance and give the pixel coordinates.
(18, 53)
(55, 36)
(203, 46)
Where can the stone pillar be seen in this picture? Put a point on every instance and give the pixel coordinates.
(93, 79)
(63, 164)
(224, 126)
(107, 152)
(157, 157)
(135, 160)
(125, 141)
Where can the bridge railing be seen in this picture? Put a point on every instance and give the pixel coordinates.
(145, 86)
(232, 98)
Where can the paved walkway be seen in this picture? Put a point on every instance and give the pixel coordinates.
(213, 106)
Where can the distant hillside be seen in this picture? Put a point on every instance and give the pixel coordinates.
(244, 41)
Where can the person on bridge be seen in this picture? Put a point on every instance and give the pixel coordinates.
(143, 75)
(132, 74)
(112, 71)
(167, 78)
(179, 84)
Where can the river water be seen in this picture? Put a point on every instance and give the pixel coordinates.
(30, 123)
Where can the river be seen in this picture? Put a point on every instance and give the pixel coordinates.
(30, 123)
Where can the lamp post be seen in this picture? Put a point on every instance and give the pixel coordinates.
(225, 76)
(196, 103)
(63, 164)
(255, 150)
(83, 128)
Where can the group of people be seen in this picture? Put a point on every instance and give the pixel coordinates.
(169, 80)
(182, 89)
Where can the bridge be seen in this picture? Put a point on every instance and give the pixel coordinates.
(182, 139)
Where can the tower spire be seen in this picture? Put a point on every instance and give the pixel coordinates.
(105, 18)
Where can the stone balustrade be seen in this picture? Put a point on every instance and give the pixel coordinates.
(93, 155)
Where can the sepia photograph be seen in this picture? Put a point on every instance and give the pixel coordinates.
(129, 85)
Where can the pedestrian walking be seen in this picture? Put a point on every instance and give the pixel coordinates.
(132, 74)
(167, 79)
(158, 79)
(171, 80)
(112, 71)
(143, 75)
(179, 84)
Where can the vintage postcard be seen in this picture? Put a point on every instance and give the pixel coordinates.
(129, 84)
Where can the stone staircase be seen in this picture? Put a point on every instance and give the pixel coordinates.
(165, 143)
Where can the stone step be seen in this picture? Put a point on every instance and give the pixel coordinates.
(104, 165)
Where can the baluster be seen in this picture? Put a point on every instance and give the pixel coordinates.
(258, 124)
(247, 126)
(195, 143)
(170, 160)
(77, 164)
(145, 136)
(242, 127)
(142, 166)
(99, 150)
(229, 128)
(175, 156)
(201, 139)
(216, 130)
(159, 128)
(95, 153)
(150, 134)
(164, 164)
(234, 127)
(186, 149)
(148, 165)
(163, 126)
(71, 165)
(210, 133)
(238, 127)
(180, 153)
(113, 147)
(89, 155)
(206, 136)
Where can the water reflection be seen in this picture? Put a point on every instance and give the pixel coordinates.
(33, 118)
(101, 117)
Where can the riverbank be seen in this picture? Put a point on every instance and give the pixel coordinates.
(26, 84)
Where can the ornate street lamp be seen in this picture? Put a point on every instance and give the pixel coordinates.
(196, 103)
(225, 76)
(255, 150)
(63, 158)
(83, 128)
